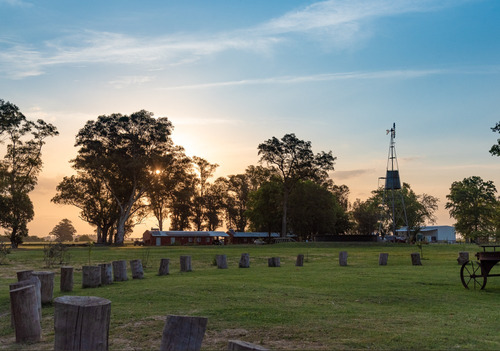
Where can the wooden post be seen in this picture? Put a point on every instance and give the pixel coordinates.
(137, 270)
(164, 267)
(273, 262)
(382, 259)
(221, 261)
(343, 258)
(46, 285)
(81, 323)
(463, 257)
(30, 281)
(23, 275)
(24, 307)
(300, 261)
(183, 333)
(415, 259)
(66, 283)
(185, 264)
(120, 271)
(244, 260)
(91, 276)
(238, 345)
(106, 273)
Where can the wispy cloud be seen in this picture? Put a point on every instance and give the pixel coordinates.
(125, 81)
(342, 175)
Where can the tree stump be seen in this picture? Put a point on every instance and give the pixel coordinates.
(415, 259)
(91, 276)
(164, 267)
(30, 281)
(244, 261)
(273, 262)
(66, 283)
(46, 286)
(185, 264)
(300, 261)
(25, 311)
(81, 323)
(463, 257)
(120, 271)
(238, 345)
(24, 275)
(137, 270)
(106, 273)
(382, 259)
(221, 261)
(343, 258)
(183, 333)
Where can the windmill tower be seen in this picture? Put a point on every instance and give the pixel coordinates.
(393, 197)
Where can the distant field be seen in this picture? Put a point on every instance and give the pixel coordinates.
(321, 306)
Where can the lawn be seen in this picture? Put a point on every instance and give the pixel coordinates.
(320, 306)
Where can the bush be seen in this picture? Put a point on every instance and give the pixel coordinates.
(55, 254)
(4, 251)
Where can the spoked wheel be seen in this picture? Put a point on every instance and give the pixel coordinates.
(471, 275)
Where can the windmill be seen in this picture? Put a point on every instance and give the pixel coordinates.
(393, 197)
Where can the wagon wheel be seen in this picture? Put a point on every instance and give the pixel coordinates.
(471, 275)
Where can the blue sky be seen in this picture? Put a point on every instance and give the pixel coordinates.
(231, 74)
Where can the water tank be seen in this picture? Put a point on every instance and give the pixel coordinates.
(392, 180)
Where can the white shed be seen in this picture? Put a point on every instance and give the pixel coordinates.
(436, 233)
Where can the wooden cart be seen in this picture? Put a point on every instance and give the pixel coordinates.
(474, 274)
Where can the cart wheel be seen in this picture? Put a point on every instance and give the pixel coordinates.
(471, 275)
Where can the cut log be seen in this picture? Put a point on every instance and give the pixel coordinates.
(91, 276)
(24, 307)
(66, 283)
(120, 271)
(382, 259)
(23, 275)
(46, 285)
(106, 273)
(81, 323)
(238, 345)
(343, 258)
(300, 261)
(221, 261)
(183, 333)
(185, 263)
(463, 257)
(244, 260)
(137, 270)
(164, 267)
(273, 262)
(415, 259)
(30, 281)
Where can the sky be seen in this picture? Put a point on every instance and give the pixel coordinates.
(231, 74)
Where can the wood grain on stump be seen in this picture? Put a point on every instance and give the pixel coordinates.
(120, 271)
(26, 315)
(183, 333)
(273, 262)
(221, 261)
(164, 267)
(244, 261)
(106, 273)
(238, 345)
(137, 270)
(23, 275)
(343, 258)
(300, 261)
(66, 283)
(383, 258)
(415, 259)
(91, 276)
(32, 280)
(185, 263)
(46, 285)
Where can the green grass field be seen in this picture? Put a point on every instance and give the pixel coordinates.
(321, 306)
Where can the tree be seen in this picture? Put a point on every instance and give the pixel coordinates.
(19, 168)
(265, 208)
(293, 160)
(64, 230)
(204, 170)
(124, 152)
(365, 215)
(473, 204)
(495, 149)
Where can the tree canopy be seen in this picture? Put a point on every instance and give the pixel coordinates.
(64, 230)
(495, 149)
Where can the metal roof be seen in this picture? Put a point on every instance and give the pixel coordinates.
(254, 235)
(171, 233)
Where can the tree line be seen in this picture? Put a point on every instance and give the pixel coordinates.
(127, 169)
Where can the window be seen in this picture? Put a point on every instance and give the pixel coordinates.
(198, 240)
(208, 240)
(190, 240)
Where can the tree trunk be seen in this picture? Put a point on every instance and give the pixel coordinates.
(81, 323)
(463, 257)
(30, 281)
(382, 259)
(221, 261)
(183, 333)
(185, 263)
(120, 271)
(285, 208)
(273, 262)
(106, 273)
(300, 261)
(91, 276)
(46, 286)
(244, 261)
(26, 316)
(415, 259)
(66, 283)
(24, 275)
(343, 258)
(137, 270)
(238, 345)
(164, 266)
